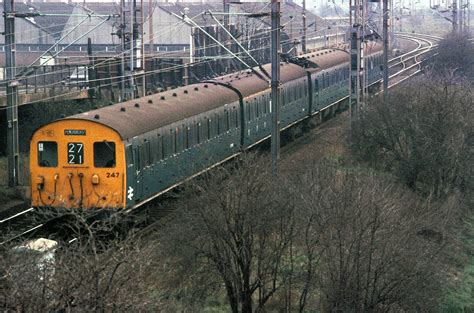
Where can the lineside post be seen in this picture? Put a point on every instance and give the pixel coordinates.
(275, 81)
(303, 39)
(385, 48)
(355, 87)
(13, 150)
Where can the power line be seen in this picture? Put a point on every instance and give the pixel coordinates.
(147, 73)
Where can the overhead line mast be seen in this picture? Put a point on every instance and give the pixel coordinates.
(13, 150)
(131, 36)
(275, 82)
(357, 66)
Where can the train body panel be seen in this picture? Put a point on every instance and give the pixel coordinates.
(77, 163)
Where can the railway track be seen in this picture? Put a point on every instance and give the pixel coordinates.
(401, 68)
(19, 226)
(410, 63)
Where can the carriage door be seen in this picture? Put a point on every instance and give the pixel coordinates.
(137, 170)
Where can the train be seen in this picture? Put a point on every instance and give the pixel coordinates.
(123, 155)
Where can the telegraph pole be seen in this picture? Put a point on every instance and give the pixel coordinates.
(455, 16)
(123, 45)
(385, 48)
(303, 39)
(275, 106)
(356, 17)
(13, 150)
(132, 48)
(151, 42)
(142, 48)
(131, 36)
(464, 15)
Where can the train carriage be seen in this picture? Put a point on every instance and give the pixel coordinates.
(123, 155)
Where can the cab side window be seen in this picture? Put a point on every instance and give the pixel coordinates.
(104, 154)
(47, 154)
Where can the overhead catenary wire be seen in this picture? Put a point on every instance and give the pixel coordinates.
(155, 71)
(118, 79)
(209, 59)
(205, 60)
(86, 57)
(162, 33)
(119, 55)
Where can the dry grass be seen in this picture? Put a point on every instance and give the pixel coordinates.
(326, 141)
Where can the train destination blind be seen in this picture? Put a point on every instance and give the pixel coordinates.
(75, 153)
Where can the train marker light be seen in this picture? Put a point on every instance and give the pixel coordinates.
(95, 179)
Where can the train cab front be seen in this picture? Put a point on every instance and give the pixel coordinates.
(77, 164)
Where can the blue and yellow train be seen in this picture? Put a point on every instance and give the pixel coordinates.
(123, 155)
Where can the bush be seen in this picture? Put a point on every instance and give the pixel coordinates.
(423, 134)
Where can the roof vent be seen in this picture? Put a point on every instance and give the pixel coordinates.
(174, 94)
(122, 109)
(110, 103)
(137, 105)
(196, 88)
(150, 101)
(186, 92)
(97, 117)
(162, 97)
(205, 86)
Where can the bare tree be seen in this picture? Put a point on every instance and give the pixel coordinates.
(238, 227)
(88, 275)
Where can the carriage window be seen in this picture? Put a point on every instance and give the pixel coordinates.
(227, 120)
(144, 154)
(179, 139)
(104, 154)
(148, 157)
(200, 139)
(236, 117)
(75, 153)
(248, 110)
(171, 141)
(159, 147)
(205, 129)
(47, 154)
(187, 138)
